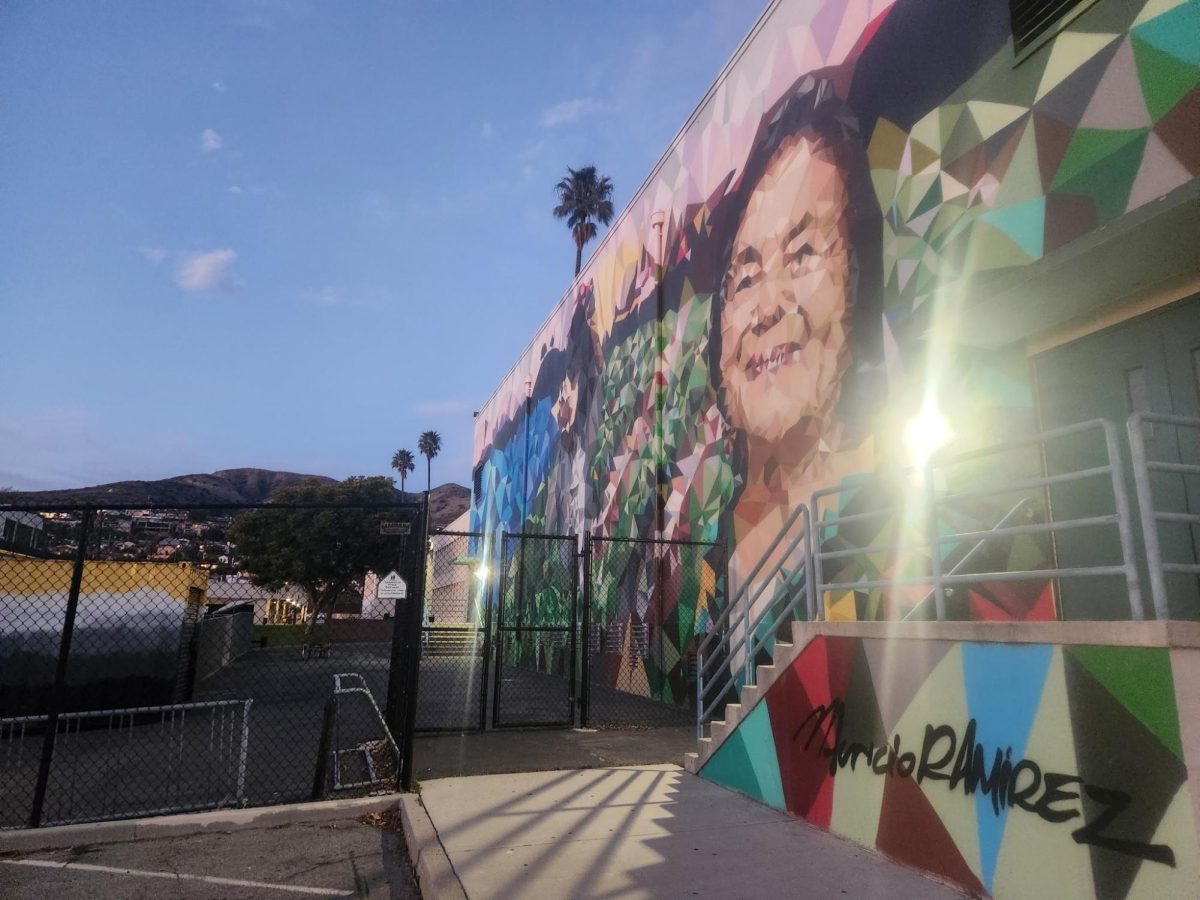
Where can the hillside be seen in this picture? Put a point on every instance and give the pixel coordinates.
(248, 485)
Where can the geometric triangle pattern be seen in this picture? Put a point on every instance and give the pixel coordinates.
(1011, 770)
(1107, 87)
(869, 156)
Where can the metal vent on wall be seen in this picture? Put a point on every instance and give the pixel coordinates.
(1036, 20)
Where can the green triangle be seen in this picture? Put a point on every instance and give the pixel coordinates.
(1174, 32)
(1090, 146)
(1109, 182)
(1165, 79)
(746, 762)
(1139, 678)
(931, 199)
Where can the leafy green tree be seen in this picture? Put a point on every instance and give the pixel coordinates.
(403, 462)
(584, 198)
(429, 444)
(324, 551)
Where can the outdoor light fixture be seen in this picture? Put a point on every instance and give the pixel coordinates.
(482, 572)
(926, 433)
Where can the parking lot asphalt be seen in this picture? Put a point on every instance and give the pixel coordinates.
(348, 858)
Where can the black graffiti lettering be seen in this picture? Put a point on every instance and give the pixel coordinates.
(1020, 796)
(963, 766)
(880, 752)
(1008, 783)
(931, 769)
(971, 771)
(1054, 793)
(1115, 803)
(856, 750)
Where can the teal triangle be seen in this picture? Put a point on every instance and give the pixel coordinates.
(1024, 223)
(1004, 689)
(1175, 32)
(746, 762)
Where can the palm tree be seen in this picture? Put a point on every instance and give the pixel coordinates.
(402, 462)
(584, 198)
(429, 443)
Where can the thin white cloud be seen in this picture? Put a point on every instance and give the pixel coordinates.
(235, 189)
(220, 87)
(210, 141)
(368, 297)
(488, 131)
(156, 256)
(326, 296)
(569, 111)
(208, 271)
(443, 408)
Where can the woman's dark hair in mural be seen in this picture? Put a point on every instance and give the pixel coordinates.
(798, 280)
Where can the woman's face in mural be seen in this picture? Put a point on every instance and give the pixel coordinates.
(787, 295)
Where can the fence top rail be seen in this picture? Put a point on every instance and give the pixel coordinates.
(524, 535)
(670, 541)
(441, 532)
(132, 710)
(938, 461)
(1164, 419)
(188, 507)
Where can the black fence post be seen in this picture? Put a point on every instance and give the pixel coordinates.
(499, 645)
(576, 557)
(416, 609)
(394, 709)
(585, 689)
(321, 774)
(60, 673)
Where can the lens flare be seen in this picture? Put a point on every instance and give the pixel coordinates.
(926, 433)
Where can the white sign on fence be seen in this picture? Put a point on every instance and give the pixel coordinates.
(392, 587)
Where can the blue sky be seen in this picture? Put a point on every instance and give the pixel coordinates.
(292, 234)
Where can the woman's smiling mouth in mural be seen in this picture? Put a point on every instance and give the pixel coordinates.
(779, 355)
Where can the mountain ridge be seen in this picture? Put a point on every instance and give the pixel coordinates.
(226, 486)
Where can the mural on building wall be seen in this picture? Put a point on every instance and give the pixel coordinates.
(1015, 770)
(855, 162)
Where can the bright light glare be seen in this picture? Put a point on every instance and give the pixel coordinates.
(926, 433)
(482, 572)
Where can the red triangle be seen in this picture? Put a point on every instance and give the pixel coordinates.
(910, 832)
(803, 769)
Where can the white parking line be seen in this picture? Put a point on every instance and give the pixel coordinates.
(173, 876)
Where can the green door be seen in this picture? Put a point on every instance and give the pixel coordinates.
(1150, 363)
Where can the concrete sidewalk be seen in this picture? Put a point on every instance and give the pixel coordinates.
(645, 831)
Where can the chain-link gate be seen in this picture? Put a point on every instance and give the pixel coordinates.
(141, 674)
(535, 635)
(646, 604)
(454, 634)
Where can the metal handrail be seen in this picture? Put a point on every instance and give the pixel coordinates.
(970, 554)
(935, 539)
(744, 601)
(1121, 518)
(1151, 517)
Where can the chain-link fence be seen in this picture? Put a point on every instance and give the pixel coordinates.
(647, 604)
(161, 660)
(536, 616)
(454, 639)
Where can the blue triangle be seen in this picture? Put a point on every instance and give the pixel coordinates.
(746, 762)
(1004, 690)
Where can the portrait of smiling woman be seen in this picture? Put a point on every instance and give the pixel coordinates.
(799, 311)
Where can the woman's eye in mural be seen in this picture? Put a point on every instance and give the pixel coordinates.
(801, 255)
